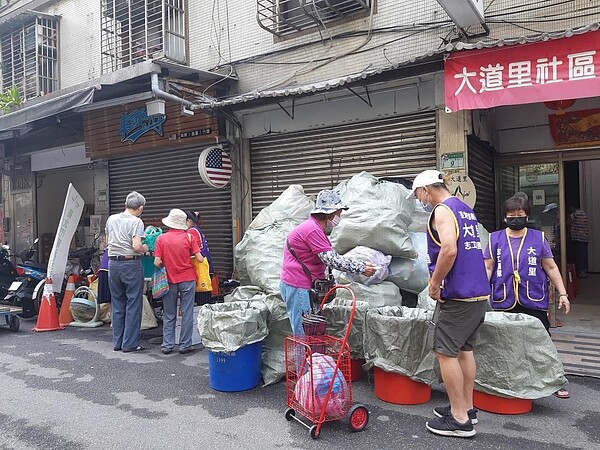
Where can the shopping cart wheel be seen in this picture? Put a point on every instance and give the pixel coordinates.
(290, 414)
(357, 417)
(314, 432)
(14, 323)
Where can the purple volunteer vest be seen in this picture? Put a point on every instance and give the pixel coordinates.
(518, 278)
(467, 280)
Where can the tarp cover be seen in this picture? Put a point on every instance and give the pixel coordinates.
(395, 340)
(382, 294)
(516, 357)
(273, 357)
(378, 216)
(225, 327)
(337, 312)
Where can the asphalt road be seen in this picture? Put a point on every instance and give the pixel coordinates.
(69, 390)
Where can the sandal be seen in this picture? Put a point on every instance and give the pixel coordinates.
(562, 393)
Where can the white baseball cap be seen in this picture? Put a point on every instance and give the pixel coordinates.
(426, 178)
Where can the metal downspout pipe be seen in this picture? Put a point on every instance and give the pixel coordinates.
(158, 92)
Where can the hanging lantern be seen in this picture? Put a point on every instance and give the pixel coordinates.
(560, 105)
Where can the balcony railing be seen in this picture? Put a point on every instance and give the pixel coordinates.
(283, 17)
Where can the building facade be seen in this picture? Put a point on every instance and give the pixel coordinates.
(297, 91)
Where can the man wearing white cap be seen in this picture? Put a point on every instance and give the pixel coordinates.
(308, 252)
(458, 282)
(173, 251)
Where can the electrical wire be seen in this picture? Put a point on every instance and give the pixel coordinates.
(219, 81)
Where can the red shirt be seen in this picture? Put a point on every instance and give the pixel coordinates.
(175, 249)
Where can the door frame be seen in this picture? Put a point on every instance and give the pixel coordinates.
(547, 156)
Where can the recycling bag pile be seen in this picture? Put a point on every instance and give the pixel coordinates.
(383, 227)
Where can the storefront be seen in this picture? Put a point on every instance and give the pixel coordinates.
(157, 155)
(537, 105)
(387, 129)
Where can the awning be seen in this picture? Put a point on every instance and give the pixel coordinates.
(46, 108)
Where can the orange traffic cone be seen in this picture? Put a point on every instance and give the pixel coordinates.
(65, 317)
(48, 315)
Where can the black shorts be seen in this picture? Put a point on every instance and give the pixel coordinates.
(457, 326)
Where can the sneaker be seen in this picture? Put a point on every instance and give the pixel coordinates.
(166, 351)
(447, 426)
(183, 351)
(442, 411)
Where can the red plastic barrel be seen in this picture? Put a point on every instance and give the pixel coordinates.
(394, 388)
(501, 405)
(356, 370)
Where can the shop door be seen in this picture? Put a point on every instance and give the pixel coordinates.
(170, 180)
(319, 159)
(21, 209)
(540, 182)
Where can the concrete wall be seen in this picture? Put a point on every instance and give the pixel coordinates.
(329, 109)
(522, 127)
(231, 34)
(223, 33)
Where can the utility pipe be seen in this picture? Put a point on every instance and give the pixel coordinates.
(156, 90)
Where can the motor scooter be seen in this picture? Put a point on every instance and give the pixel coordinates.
(8, 271)
(87, 264)
(29, 275)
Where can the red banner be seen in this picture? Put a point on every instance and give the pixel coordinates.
(524, 73)
(574, 128)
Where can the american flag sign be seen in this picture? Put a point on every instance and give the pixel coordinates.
(214, 166)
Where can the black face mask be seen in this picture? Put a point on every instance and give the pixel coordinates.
(516, 223)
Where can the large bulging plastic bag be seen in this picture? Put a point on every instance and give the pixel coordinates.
(259, 255)
(322, 368)
(411, 274)
(366, 254)
(378, 216)
(292, 204)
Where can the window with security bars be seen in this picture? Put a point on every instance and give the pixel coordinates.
(284, 17)
(29, 52)
(137, 30)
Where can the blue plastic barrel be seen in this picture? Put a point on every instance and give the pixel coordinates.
(235, 371)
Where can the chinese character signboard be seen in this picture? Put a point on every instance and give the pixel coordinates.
(462, 186)
(527, 73)
(575, 128)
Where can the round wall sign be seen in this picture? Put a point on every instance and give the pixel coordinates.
(214, 166)
(462, 186)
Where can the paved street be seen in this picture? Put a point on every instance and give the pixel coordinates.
(69, 390)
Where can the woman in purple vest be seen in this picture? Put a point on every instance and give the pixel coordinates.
(519, 263)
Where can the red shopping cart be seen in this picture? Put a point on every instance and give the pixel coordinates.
(318, 378)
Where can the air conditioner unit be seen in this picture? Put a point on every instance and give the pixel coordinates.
(464, 13)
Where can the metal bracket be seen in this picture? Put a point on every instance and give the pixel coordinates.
(293, 109)
(368, 100)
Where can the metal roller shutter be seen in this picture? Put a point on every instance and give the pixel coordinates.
(171, 180)
(319, 159)
(481, 171)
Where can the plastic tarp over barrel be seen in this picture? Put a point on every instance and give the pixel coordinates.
(225, 327)
(337, 313)
(395, 340)
(273, 358)
(516, 358)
